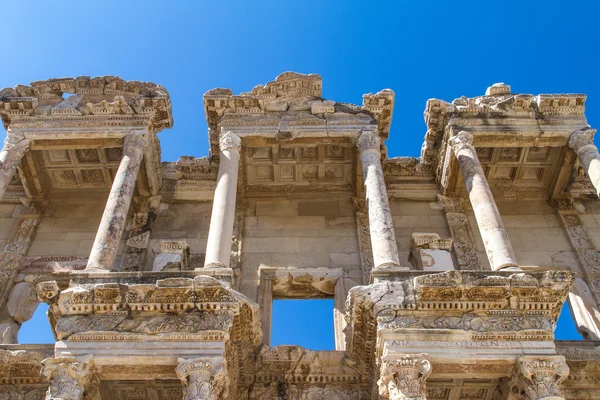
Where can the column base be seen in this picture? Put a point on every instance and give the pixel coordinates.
(508, 268)
(213, 265)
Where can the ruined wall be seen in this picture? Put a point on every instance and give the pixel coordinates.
(298, 233)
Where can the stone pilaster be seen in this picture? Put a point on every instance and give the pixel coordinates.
(203, 378)
(404, 377)
(381, 226)
(70, 378)
(139, 235)
(495, 239)
(582, 142)
(10, 157)
(463, 240)
(538, 378)
(218, 247)
(104, 249)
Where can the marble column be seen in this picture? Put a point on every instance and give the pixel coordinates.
(381, 226)
(495, 239)
(220, 234)
(582, 141)
(104, 249)
(538, 378)
(69, 378)
(10, 157)
(203, 378)
(404, 377)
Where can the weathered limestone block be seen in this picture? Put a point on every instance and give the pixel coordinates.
(538, 378)
(22, 301)
(172, 255)
(203, 378)
(491, 227)
(69, 378)
(428, 252)
(404, 377)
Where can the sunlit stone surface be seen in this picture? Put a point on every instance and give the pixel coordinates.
(448, 271)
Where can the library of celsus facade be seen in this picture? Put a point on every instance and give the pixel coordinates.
(447, 271)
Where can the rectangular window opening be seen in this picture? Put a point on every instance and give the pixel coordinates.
(306, 323)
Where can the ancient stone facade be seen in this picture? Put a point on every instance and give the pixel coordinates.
(447, 271)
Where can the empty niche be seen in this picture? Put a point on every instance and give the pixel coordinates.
(306, 323)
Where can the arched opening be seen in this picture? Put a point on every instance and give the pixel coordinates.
(37, 330)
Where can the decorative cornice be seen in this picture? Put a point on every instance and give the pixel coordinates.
(43, 103)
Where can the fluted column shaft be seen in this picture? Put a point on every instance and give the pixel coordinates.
(220, 234)
(381, 226)
(582, 142)
(10, 158)
(104, 249)
(495, 239)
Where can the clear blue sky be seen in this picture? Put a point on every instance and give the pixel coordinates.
(420, 49)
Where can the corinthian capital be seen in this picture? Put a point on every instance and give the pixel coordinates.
(461, 141)
(368, 140)
(15, 148)
(230, 141)
(404, 377)
(69, 377)
(539, 377)
(135, 141)
(581, 138)
(203, 378)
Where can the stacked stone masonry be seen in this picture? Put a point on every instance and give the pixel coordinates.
(448, 271)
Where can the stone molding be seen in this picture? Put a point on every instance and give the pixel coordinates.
(100, 101)
(21, 367)
(477, 306)
(203, 379)
(404, 377)
(538, 378)
(70, 378)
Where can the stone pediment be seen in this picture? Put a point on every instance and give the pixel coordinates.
(292, 107)
(519, 139)
(97, 101)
